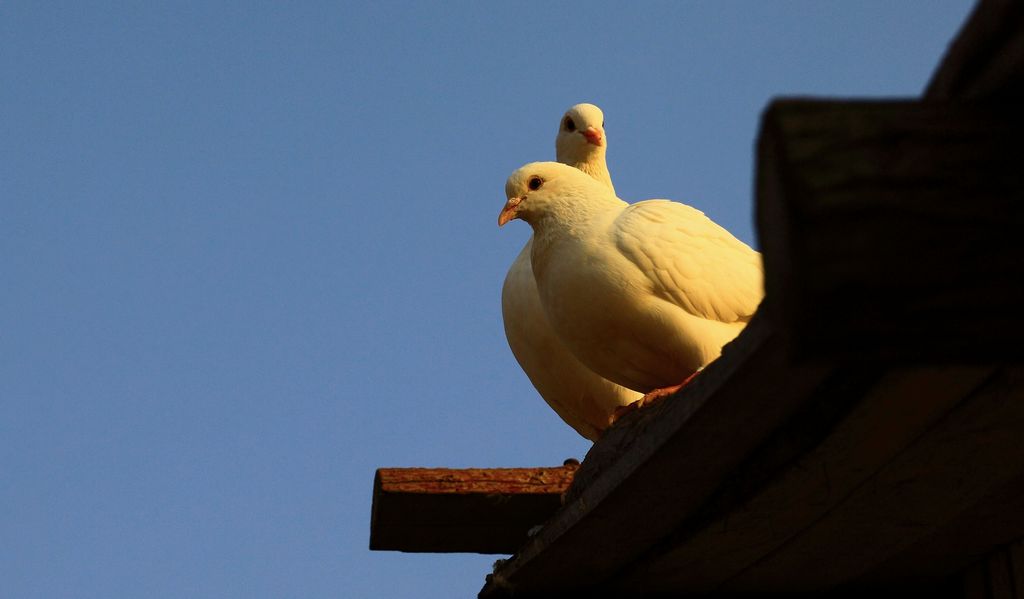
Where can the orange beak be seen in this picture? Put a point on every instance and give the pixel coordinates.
(510, 211)
(593, 135)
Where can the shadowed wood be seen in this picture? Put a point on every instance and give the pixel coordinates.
(999, 575)
(998, 519)
(972, 451)
(987, 58)
(472, 510)
(891, 415)
(902, 217)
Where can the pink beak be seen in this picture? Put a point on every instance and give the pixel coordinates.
(593, 135)
(510, 211)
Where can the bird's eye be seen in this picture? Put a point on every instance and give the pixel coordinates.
(535, 183)
(569, 124)
(602, 124)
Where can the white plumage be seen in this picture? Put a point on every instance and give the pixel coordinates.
(644, 294)
(579, 396)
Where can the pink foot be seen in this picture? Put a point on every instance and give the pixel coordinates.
(650, 398)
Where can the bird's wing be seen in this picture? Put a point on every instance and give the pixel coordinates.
(584, 400)
(691, 261)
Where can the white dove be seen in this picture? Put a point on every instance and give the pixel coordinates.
(581, 142)
(643, 294)
(584, 400)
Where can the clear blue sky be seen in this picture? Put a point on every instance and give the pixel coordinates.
(249, 254)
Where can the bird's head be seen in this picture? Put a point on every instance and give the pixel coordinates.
(581, 135)
(542, 187)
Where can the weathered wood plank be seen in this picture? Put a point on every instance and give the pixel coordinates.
(891, 230)
(474, 481)
(715, 547)
(1000, 577)
(972, 451)
(975, 582)
(472, 510)
(997, 575)
(986, 60)
(996, 520)
(1016, 555)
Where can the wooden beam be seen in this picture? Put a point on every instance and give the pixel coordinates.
(472, 510)
(998, 519)
(738, 529)
(891, 230)
(986, 61)
(970, 452)
(999, 575)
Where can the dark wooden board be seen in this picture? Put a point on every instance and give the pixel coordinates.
(974, 450)
(892, 230)
(720, 544)
(998, 575)
(986, 60)
(471, 510)
(998, 519)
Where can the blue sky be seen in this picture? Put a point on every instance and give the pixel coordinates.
(250, 254)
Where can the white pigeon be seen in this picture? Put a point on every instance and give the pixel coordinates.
(584, 400)
(643, 294)
(581, 142)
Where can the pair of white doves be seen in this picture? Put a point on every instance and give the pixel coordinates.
(608, 300)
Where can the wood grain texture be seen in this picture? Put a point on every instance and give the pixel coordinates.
(474, 481)
(970, 452)
(472, 510)
(717, 547)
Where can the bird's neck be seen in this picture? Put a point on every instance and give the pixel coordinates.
(598, 169)
(591, 161)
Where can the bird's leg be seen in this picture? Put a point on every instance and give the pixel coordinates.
(651, 397)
